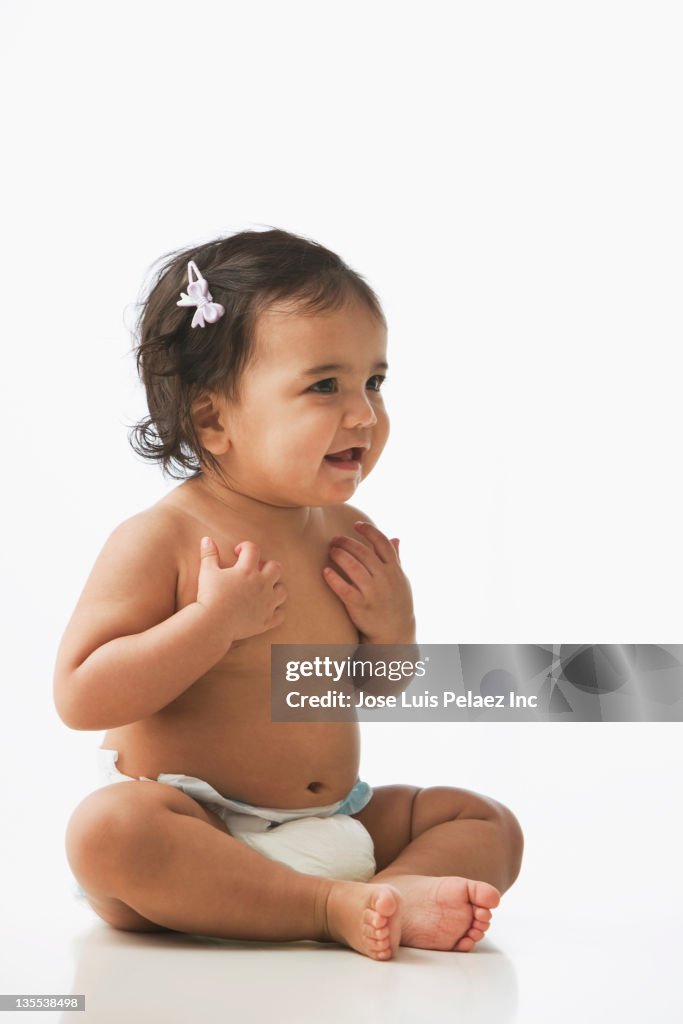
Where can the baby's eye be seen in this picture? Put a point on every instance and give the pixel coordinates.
(325, 387)
(375, 383)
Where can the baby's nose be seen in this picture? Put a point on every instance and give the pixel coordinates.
(360, 413)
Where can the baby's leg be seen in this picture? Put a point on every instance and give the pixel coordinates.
(450, 853)
(149, 855)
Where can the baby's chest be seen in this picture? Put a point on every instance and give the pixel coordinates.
(313, 612)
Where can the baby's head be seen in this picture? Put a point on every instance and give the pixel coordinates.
(288, 376)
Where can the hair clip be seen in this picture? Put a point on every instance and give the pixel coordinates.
(198, 294)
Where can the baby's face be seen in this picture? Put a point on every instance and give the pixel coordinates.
(311, 392)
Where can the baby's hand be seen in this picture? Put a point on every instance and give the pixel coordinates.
(246, 599)
(378, 599)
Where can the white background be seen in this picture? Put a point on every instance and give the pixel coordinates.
(507, 177)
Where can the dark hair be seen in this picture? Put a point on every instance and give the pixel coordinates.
(246, 272)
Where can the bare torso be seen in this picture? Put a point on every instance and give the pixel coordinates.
(220, 728)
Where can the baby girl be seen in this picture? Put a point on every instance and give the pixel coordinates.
(263, 357)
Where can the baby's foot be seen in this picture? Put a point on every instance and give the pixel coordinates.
(366, 917)
(447, 913)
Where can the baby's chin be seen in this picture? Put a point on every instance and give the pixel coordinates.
(320, 493)
(310, 499)
(332, 499)
(335, 496)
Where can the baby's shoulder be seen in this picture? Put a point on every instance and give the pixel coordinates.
(160, 524)
(181, 510)
(186, 517)
(147, 541)
(340, 518)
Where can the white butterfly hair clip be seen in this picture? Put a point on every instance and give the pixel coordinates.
(198, 294)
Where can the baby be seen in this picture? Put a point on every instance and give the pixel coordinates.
(267, 397)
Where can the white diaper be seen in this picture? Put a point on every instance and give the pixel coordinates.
(313, 840)
(334, 847)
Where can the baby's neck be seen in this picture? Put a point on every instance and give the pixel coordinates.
(286, 520)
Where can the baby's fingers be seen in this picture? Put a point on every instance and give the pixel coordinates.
(363, 552)
(248, 555)
(272, 570)
(277, 618)
(208, 552)
(352, 566)
(380, 542)
(344, 591)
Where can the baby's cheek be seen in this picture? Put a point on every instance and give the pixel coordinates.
(368, 463)
(380, 435)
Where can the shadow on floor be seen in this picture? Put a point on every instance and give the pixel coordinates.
(176, 978)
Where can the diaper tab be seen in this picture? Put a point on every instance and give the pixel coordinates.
(357, 799)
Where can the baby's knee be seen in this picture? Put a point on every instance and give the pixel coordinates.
(106, 823)
(511, 830)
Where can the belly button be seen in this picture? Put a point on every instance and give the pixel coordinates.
(315, 787)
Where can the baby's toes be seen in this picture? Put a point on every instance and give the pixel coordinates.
(484, 895)
(385, 903)
(464, 945)
(379, 942)
(373, 921)
(482, 914)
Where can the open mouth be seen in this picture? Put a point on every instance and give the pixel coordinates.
(349, 458)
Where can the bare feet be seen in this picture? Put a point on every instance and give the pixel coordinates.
(365, 917)
(447, 913)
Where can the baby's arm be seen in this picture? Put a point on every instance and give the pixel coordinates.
(126, 653)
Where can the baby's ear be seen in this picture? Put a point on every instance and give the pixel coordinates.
(204, 411)
(209, 418)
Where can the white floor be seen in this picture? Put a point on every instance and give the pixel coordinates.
(529, 970)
